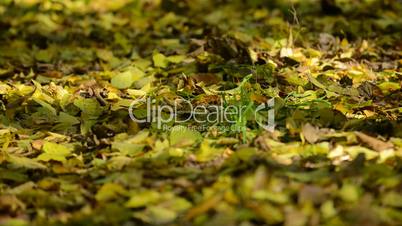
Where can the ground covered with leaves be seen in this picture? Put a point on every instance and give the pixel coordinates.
(71, 155)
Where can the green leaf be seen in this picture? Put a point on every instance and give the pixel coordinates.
(126, 79)
(388, 87)
(176, 58)
(89, 106)
(25, 162)
(109, 191)
(15, 222)
(65, 122)
(207, 152)
(67, 119)
(144, 198)
(160, 60)
(327, 209)
(392, 199)
(349, 192)
(245, 154)
(128, 149)
(44, 55)
(161, 215)
(182, 136)
(91, 110)
(55, 152)
(47, 106)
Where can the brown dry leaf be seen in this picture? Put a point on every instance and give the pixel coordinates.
(11, 202)
(37, 144)
(314, 134)
(374, 143)
(207, 78)
(311, 133)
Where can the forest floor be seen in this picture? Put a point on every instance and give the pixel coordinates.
(201, 112)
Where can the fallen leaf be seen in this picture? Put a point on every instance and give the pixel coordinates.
(374, 143)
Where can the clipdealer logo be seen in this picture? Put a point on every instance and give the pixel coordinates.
(264, 114)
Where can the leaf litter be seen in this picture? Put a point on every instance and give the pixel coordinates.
(71, 154)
